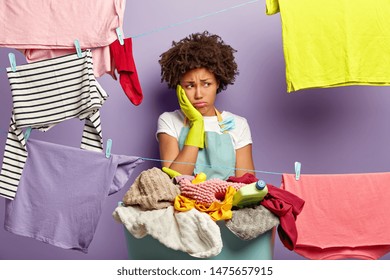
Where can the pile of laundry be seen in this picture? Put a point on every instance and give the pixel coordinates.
(181, 213)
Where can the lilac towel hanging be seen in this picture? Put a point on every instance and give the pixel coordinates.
(61, 193)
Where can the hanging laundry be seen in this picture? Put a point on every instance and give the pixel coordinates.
(123, 62)
(330, 43)
(44, 94)
(192, 232)
(55, 24)
(62, 191)
(101, 58)
(345, 215)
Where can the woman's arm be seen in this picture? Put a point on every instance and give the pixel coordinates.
(244, 160)
(169, 151)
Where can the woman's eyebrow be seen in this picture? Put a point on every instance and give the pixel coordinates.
(192, 81)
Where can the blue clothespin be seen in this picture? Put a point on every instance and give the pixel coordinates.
(108, 148)
(120, 36)
(27, 133)
(78, 48)
(298, 166)
(227, 124)
(12, 61)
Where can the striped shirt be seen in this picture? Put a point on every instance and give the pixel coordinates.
(44, 94)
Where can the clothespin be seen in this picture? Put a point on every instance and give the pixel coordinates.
(27, 133)
(12, 61)
(108, 148)
(227, 124)
(78, 48)
(120, 36)
(298, 166)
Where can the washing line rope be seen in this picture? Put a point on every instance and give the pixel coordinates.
(2, 131)
(192, 19)
(213, 166)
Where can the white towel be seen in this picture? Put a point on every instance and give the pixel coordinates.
(192, 232)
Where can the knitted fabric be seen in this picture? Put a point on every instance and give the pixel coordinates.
(249, 223)
(152, 189)
(217, 210)
(208, 191)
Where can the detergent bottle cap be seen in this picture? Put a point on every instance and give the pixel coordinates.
(260, 185)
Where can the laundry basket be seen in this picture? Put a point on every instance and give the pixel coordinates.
(234, 248)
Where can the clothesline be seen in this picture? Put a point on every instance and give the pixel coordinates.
(193, 19)
(215, 166)
(2, 131)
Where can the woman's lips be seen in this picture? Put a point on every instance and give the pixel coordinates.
(200, 104)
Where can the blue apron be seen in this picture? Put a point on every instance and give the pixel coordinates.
(218, 158)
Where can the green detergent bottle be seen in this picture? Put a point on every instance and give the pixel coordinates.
(250, 194)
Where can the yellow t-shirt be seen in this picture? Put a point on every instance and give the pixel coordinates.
(330, 43)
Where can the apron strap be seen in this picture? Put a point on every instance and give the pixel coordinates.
(219, 116)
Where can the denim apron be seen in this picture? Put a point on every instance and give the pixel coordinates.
(218, 158)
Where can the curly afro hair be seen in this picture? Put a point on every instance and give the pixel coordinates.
(199, 50)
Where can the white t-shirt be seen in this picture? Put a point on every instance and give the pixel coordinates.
(171, 123)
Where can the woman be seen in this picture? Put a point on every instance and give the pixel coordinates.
(200, 138)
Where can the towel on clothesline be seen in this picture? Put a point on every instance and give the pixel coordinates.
(62, 192)
(55, 24)
(192, 232)
(345, 215)
(329, 43)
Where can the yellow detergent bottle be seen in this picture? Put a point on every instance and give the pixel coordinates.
(250, 194)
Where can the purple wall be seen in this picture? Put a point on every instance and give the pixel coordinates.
(338, 130)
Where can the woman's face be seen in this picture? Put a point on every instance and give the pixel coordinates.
(201, 87)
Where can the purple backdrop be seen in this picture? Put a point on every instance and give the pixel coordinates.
(338, 130)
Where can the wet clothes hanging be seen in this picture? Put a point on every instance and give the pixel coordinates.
(44, 94)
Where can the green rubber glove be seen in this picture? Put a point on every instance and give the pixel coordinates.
(195, 135)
